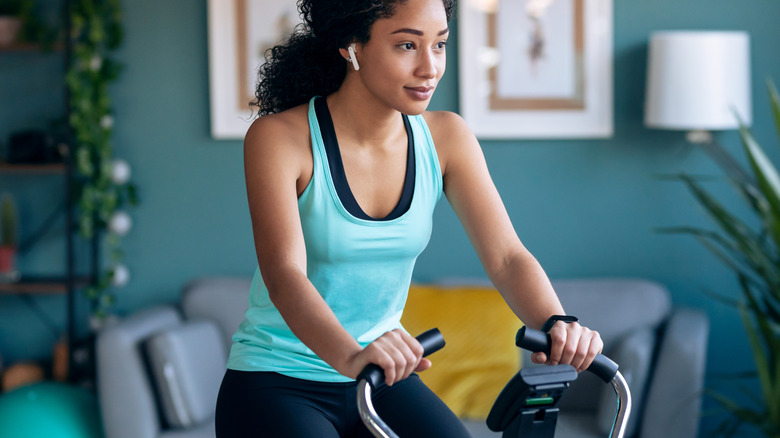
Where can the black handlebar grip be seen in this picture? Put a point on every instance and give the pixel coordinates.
(534, 340)
(431, 341)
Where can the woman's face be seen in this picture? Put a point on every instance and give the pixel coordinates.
(405, 57)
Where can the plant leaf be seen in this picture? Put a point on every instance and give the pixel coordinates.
(727, 163)
(767, 177)
(721, 298)
(730, 255)
(725, 258)
(775, 101)
(744, 239)
(772, 308)
(742, 414)
(762, 365)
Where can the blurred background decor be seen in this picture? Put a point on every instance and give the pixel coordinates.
(8, 239)
(103, 184)
(13, 14)
(750, 247)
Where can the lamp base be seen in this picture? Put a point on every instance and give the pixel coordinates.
(699, 136)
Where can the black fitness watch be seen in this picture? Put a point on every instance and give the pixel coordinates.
(568, 319)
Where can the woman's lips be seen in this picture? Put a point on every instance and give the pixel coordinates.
(420, 93)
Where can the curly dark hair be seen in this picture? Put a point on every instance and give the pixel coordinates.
(308, 64)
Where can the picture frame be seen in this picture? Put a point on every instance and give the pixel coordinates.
(236, 51)
(536, 69)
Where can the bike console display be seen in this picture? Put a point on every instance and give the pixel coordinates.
(527, 406)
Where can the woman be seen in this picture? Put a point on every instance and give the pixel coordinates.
(341, 192)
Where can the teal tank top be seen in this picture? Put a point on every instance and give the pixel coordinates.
(362, 268)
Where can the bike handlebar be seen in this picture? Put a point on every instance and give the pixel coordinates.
(431, 341)
(535, 341)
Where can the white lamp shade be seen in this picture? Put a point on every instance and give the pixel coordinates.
(698, 80)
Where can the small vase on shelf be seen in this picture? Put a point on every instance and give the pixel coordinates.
(8, 239)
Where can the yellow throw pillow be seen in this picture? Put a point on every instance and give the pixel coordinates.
(480, 356)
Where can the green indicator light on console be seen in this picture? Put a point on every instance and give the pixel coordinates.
(539, 401)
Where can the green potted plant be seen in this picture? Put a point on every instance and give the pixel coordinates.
(753, 253)
(102, 187)
(7, 236)
(13, 15)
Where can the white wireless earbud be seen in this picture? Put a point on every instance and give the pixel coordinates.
(352, 57)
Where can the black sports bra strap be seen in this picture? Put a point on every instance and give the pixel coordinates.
(339, 177)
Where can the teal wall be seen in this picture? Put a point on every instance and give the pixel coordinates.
(584, 208)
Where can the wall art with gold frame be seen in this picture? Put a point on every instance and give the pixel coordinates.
(240, 31)
(536, 68)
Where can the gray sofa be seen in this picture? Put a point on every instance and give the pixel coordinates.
(159, 369)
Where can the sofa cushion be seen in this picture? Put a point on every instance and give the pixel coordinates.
(615, 307)
(675, 389)
(221, 299)
(480, 356)
(634, 356)
(187, 364)
(121, 369)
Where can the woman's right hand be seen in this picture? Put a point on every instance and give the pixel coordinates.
(396, 352)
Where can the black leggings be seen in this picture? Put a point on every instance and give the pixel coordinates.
(271, 405)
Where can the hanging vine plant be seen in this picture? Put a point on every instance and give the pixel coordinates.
(103, 189)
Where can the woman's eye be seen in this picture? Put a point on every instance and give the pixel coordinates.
(441, 44)
(407, 46)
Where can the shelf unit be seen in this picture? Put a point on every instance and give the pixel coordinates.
(31, 47)
(42, 285)
(33, 168)
(68, 282)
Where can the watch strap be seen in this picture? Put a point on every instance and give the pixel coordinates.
(568, 319)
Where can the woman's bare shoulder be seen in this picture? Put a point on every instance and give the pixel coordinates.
(446, 125)
(278, 135)
(443, 120)
(449, 132)
(285, 126)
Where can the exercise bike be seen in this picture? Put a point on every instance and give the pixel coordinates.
(527, 406)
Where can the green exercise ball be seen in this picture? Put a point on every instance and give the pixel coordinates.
(49, 410)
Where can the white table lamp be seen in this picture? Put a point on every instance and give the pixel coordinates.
(698, 81)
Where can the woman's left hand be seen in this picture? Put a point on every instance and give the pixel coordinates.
(572, 344)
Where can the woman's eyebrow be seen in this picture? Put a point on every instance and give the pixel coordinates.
(418, 32)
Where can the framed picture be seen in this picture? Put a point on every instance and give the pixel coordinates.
(536, 68)
(240, 31)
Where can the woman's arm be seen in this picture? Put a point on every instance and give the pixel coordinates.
(509, 265)
(277, 167)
